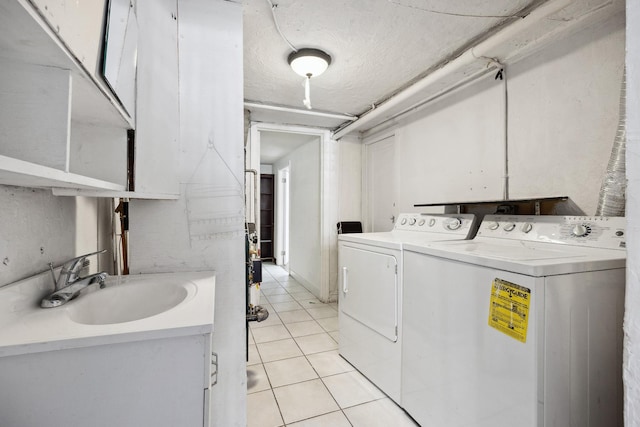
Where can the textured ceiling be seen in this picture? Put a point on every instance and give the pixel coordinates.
(377, 46)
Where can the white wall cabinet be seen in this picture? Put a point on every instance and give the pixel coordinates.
(155, 382)
(50, 106)
(61, 127)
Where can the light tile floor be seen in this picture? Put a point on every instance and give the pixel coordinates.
(295, 376)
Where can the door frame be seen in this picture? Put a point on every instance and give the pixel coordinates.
(328, 195)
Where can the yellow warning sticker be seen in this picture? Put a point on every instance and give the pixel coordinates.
(509, 309)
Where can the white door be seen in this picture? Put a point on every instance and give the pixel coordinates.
(381, 184)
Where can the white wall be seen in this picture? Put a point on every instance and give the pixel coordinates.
(563, 104)
(304, 214)
(204, 229)
(37, 228)
(631, 365)
(349, 179)
(563, 115)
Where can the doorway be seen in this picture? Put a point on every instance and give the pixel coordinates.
(310, 198)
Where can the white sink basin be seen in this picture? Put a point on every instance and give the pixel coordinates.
(129, 300)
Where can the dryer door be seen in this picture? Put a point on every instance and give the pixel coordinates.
(369, 289)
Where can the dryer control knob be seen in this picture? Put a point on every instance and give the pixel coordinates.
(432, 222)
(412, 221)
(404, 221)
(421, 222)
(526, 227)
(509, 227)
(580, 230)
(494, 226)
(452, 224)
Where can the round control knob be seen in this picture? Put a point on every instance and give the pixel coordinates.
(404, 221)
(452, 224)
(494, 226)
(432, 222)
(509, 227)
(619, 233)
(580, 230)
(526, 227)
(421, 222)
(412, 221)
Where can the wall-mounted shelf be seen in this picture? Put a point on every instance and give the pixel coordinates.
(25, 174)
(533, 205)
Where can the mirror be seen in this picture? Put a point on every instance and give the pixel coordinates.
(121, 51)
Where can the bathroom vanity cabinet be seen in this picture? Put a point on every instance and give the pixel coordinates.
(102, 360)
(156, 382)
(61, 125)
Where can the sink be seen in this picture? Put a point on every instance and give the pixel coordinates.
(127, 300)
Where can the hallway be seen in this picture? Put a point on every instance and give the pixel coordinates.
(295, 376)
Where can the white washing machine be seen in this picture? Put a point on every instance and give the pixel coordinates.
(370, 297)
(521, 326)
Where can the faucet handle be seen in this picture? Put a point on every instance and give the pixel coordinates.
(71, 268)
(73, 263)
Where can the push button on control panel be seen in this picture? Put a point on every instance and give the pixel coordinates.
(494, 226)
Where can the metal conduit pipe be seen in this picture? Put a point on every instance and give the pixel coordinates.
(483, 50)
(256, 203)
(612, 198)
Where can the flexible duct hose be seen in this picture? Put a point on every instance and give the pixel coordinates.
(613, 191)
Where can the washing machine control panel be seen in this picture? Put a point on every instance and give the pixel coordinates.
(460, 224)
(592, 231)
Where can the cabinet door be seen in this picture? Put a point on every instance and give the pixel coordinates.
(157, 109)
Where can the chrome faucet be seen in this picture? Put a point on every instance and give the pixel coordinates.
(69, 283)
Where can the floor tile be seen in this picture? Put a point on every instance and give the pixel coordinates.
(262, 410)
(300, 329)
(322, 312)
(279, 298)
(316, 343)
(274, 291)
(379, 413)
(335, 335)
(289, 371)
(333, 419)
(257, 379)
(329, 324)
(294, 287)
(286, 306)
(302, 295)
(294, 316)
(352, 388)
(272, 320)
(270, 333)
(270, 285)
(254, 356)
(304, 400)
(310, 303)
(278, 350)
(329, 363)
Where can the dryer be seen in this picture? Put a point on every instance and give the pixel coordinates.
(370, 295)
(520, 326)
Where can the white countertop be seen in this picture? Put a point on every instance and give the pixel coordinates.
(27, 328)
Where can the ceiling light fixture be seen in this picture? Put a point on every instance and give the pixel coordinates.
(309, 63)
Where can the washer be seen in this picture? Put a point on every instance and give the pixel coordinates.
(370, 296)
(520, 326)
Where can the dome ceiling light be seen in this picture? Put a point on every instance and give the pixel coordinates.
(309, 63)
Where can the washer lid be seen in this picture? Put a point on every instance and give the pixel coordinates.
(529, 258)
